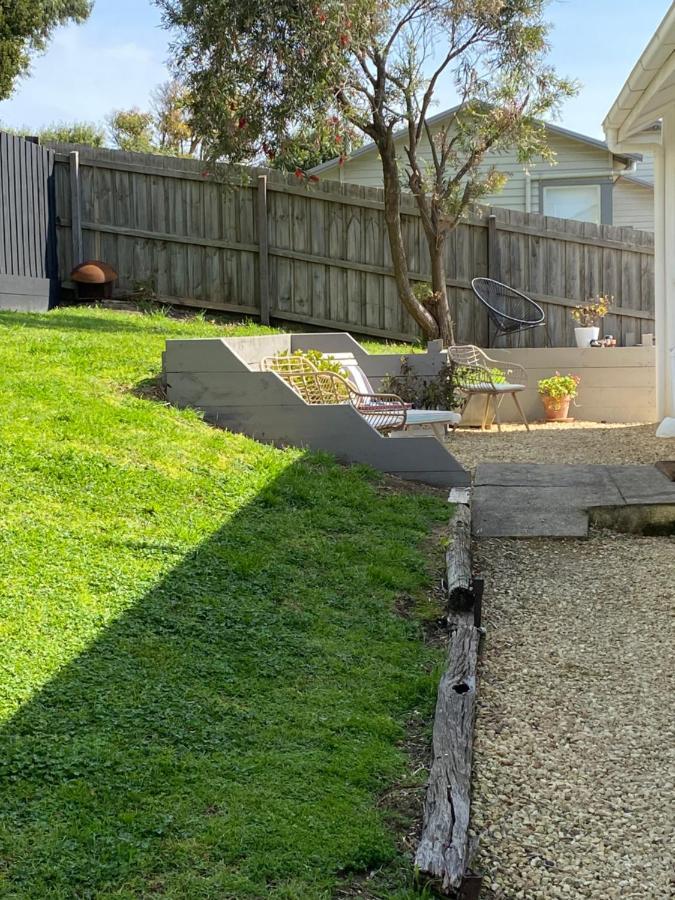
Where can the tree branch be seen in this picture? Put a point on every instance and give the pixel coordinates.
(453, 53)
(400, 25)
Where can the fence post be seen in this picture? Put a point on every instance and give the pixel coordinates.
(494, 266)
(76, 208)
(493, 260)
(263, 251)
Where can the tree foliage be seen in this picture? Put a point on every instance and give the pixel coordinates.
(166, 128)
(26, 27)
(306, 148)
(260, 73)
(172, 120)
(132, 129)
(87, 133)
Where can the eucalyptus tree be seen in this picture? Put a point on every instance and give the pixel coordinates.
(260, 73)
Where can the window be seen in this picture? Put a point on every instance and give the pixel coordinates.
(574, 201)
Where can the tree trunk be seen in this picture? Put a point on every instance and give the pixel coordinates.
(392, 216)
(435, 234)
(438, 283)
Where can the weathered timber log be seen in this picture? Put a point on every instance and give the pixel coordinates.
(478, 588)
(458, 561)
(443, 852)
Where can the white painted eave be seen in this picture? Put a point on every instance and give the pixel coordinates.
(638, 107)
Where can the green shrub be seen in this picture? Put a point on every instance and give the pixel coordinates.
(559, 386)
(424, 391)
(497, 376)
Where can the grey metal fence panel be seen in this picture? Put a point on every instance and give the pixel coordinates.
(27, 217)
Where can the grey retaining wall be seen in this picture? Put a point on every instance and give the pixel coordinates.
(222, 378)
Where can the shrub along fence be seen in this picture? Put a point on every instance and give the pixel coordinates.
(267, 244)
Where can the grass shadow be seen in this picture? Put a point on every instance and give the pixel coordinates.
(228, 735)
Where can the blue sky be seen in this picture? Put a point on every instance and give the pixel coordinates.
(118, 57)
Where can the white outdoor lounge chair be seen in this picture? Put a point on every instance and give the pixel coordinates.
(438, 419)
(475, 373)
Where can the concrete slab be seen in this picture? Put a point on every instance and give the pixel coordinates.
(222, 378)
(542, 475)
(667, 468)
(528, 501)
(642, 484)
(522, 513)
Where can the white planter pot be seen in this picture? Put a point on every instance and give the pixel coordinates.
(584, 336)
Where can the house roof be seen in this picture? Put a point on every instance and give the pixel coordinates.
(641, 182)
(626, 158)
(650, 85)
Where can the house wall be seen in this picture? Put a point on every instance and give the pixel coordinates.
(574, 160)
(633, 205)
(645, 168)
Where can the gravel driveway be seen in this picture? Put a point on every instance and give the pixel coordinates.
(580, 442)
(574, 765)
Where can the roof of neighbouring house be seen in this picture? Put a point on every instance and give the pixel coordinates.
(626, 158)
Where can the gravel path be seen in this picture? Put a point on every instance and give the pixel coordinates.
(574, 765)
(575, 737)
(579, 442)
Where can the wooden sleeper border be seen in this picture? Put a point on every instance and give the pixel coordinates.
(445, 850)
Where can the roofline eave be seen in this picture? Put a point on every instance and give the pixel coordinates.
(624, 157)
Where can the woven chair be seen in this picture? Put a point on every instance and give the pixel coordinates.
(385, 412)
(439, 420)
(510, 311)
(476, 373)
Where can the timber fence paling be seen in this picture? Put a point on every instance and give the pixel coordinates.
(318, 253)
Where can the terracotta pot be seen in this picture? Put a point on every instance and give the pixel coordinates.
(555, 408)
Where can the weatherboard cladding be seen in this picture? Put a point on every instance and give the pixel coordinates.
(574, 159)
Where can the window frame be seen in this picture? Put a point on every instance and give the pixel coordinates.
(604, 184)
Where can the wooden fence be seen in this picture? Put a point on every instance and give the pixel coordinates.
(28, 265)
(262, 243)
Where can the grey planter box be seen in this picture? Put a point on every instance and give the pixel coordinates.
(222, 377)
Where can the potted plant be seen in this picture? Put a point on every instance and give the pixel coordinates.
(556, 393)
(587, 316)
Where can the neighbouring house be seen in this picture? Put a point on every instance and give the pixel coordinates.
(587, 182)
(642, 120)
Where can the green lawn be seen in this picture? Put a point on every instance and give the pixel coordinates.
(205, 682)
